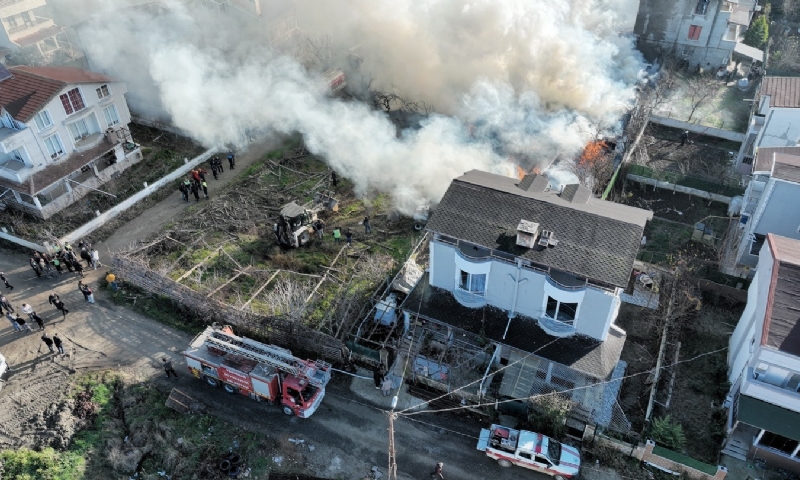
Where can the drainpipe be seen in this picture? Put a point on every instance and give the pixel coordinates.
(516, 293)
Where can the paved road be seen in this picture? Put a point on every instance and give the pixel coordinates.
(350, 435)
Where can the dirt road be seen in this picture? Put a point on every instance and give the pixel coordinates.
(349, 436)
(154, 219)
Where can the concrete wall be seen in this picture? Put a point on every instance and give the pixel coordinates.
(679, 188)
(596, 308)
(698, 129)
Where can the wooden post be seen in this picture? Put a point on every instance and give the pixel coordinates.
(262, 287)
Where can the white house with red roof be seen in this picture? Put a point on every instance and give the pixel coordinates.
(22, 28)
(63, 132)
(764, 362)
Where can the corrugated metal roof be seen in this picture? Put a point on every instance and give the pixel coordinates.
(784, 92)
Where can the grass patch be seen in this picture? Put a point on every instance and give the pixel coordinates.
(664, 241)
(161, 309)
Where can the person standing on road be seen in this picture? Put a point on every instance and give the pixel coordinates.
(78, 268)
(6, 304)
(35, 267)
(195, 192)
(89, 293)
(386, 386)
(13, 323)
(60, 307)
(53, 298)
(319, 226)
(367, 227)
(38, 321)
(45, 267)
(377, 377)
(57, 264)
(349, 236)
(3, 278)
(205, 188)
(202, 174)
(168, 367)
(48, 341)
(214, 169)
(231, 161)
(337, 234)
(59, 344)
(96, 259)
(219, 164)
(28, 310)
(23, 325)
(86, 256)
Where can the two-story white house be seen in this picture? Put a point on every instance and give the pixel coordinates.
(774, 120)
(22, 28)
(539, 273)
(64, 132)
(769, 203)
(764, 362)
(704, 32)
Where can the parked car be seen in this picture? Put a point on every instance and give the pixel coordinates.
(530, 450)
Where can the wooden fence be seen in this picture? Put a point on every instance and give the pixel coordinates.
(274, 330)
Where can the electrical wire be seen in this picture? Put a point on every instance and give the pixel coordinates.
(497, 402)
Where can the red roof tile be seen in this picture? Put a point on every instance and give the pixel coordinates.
(784, 92)
(31, 88)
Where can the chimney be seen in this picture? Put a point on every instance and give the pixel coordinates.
(576, 193)
(526, 233)
(533, 183)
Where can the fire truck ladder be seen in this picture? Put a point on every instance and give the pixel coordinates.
(277, 357)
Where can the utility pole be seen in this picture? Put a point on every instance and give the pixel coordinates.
(392, 473)
(662, 350)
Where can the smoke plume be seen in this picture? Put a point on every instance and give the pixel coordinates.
(509, 80)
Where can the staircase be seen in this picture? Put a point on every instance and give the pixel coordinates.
(736, 448)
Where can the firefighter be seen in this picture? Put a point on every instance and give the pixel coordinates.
(214, 169)
(195, 192)
(184, 192)
(205, 188)
(231, 161)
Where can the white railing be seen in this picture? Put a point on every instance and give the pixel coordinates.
(556, 328)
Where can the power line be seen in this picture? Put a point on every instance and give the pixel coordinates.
(497, 402)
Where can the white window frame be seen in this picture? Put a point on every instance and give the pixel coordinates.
(558, 310)
(113, 108)
(471, 283)
(75, 125)
(99, 91)
(57, 138)
(39, 116)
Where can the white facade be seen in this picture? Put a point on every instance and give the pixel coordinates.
(19, 23)
(562, 304)
(769, 127)
(34, 145)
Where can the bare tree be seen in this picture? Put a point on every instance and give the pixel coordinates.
(288, 298)
(700, 89)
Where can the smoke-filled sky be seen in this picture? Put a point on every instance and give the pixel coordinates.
(507, 79)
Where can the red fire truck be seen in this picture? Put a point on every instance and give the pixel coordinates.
(262, 372)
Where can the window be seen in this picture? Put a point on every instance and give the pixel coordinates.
(102, 92)
(16, 153)
(78, 130)
(474, 283)
(758, 242)
(72, 101)
(694, 32)
(54, 147)
(525, 455)
(702, 7)
(563, 312)
(778, 442)
(43, 120)
(110, 113)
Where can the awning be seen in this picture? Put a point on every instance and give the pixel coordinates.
(767, 416)
(749, 51)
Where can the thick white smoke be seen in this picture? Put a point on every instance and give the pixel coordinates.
(510, 78)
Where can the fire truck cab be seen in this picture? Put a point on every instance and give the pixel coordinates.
(262, 372)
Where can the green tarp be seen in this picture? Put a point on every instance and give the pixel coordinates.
(769, 417)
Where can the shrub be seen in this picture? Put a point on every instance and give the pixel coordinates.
(549, 414)
(668, 433)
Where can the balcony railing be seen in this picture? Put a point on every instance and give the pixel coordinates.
(469, 299)
(566, 281)
(556, 328)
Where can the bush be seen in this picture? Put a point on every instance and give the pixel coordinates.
(758, 33)
(549, 414)
(48, 464)
(668, 433)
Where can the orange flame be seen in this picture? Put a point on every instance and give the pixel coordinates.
(593, 152)
(520, 173)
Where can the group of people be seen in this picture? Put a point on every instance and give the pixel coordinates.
(196, 181)
(348, 234)
(65, 258)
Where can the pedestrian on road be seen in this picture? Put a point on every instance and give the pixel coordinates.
(13, 323)
(337, 234)
(367, 227)
(195, 176)
(214, 169)
(3, 278)
(195, 192)
(35, 267)
(168, 367)
(85, 255)
(205, 188)
(684, 137)
(386, 386)
(6, 304)
(23, 325)
(27, 309)
(53, 298)
(96, 259)
(67, 262)
(61, 307)
(45, 267)
(78, 268)
(88, 293)
(67, 247)
(38, 321)
(48, 341)
(377, 377)
(59, 344)
(231, 161)
(219, 164)
(83, 291)
(184, 192)
(57, 264)
(436, 474)
(349, 236)
(202, 174)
